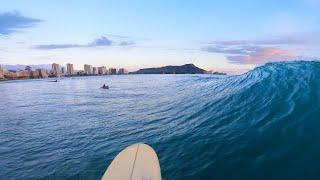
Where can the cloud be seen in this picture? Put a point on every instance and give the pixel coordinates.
(102, 41)
(229, 42)
(11, 22)
(122, 37)
(310, 38)
(99, 42)
(57, 46)
(126, 43)
(259, 51)
(283, 40)
(263, 55)
(119, 36)
(230, 50)
(252, 54)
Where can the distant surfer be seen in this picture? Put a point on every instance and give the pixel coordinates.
(55, 81)
(105, 87)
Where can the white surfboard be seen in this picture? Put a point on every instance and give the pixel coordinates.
(136, 162)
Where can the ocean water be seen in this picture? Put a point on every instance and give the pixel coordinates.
(264, 124)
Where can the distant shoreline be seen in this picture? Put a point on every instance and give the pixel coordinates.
(53, 77)
(58, 72)
(130, 74)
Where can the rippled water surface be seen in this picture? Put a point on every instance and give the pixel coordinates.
(264, 124)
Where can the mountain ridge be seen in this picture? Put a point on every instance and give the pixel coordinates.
(183, 69)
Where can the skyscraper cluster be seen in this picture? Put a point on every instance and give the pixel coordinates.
(57, 71)
(27, 73)
(87, 70)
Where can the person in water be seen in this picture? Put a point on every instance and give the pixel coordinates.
(105, 87)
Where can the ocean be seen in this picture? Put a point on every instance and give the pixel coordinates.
(264, 124)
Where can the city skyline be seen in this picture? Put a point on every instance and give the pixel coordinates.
(56, 70)
(228, 36)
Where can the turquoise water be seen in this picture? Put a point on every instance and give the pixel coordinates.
(264, 124)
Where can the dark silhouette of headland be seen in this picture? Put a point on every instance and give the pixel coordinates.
(184, 69)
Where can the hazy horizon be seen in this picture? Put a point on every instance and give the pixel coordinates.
(49, 66)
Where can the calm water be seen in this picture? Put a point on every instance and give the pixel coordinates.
(264, 124)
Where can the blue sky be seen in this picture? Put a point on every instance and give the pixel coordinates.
(218, 35)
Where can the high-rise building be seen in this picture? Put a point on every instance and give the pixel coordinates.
(88, 69)
(43, 73)
(1, 73)
(35, 74)
(63, 70)
(102, 70)
(122, 71)
(95, 71)
(56, 71)
(70, 70)
(112, 71)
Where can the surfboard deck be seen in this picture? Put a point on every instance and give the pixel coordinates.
(136, 162)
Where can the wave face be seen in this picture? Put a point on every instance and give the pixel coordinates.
(263, 124)
(260, 125)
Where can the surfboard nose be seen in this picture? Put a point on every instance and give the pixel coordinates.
(136, 162)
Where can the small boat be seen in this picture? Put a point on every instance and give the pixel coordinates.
(54, 81)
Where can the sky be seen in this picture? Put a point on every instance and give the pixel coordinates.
(229, 36)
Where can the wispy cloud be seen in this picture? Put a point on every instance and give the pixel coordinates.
(252, 54)
(310, 38)
(261, 55)
(99, 42)
(124, 37)
(118, 36)
(260, 51)
(127, 43)
(57, 46)
(11, 22)
(102, 41)
(229, 50)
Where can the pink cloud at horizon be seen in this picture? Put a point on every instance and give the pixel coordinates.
(263, 55)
